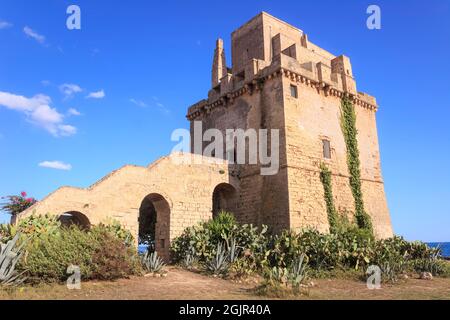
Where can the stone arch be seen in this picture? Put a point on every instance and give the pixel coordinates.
(154, 223)
(224, 199)
(74, 218)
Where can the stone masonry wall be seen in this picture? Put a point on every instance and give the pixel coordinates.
(262, 199)
(310, 118)
(186, 188)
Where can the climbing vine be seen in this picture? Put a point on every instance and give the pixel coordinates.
(348, 124)
(325, 177)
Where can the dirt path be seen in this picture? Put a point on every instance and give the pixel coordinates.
(181, 285)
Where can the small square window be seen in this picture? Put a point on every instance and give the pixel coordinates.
(294, 92)
(326, 149)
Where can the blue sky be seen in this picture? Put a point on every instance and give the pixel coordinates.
(114, 91)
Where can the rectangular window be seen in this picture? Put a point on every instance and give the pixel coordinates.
(294, 92)
(326, 149)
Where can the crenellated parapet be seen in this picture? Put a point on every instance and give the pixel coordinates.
(317, 76)
(265, 48)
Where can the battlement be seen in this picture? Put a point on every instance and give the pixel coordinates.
(265, 47)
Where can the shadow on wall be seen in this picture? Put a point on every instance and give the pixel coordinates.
(224, 199)
(154, 224)
(75, 218)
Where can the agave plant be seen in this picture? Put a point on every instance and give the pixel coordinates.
(298, 272)
(233, 251)
(190, 258)
(152, 262)
(219, 264)
(8, 260)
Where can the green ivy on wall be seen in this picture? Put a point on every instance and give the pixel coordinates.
(348, 124)
(325, 177)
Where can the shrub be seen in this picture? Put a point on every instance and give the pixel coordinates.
(435, 266)
(279, 281)
(194, 241)
(282, 249)
(31, 227)
(203, 240)
(48, 256)
(113, 258)
(348, 248)
(115, 228)
(98, 253)
(351, 248)
(444, 269)
(221, 227)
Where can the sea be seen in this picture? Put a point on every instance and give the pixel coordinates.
(445, 247)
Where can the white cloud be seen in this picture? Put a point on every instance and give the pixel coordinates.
(45, 83)
(73, 112)
(58, 165)
(5, 24)
(33, 34)
(69, 89)
(67, 130)
(96, 95)
(38, 111)
(139, 103)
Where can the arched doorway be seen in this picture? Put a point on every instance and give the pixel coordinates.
(154, 224)
(224, 199)
(74, 218)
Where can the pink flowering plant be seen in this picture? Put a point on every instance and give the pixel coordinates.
(16, 204)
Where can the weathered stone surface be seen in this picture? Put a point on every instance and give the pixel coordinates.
(182, 195)
(270, 56)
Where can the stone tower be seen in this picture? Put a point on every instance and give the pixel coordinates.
(281, 80)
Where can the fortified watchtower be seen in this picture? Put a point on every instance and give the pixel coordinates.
(280, 80)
